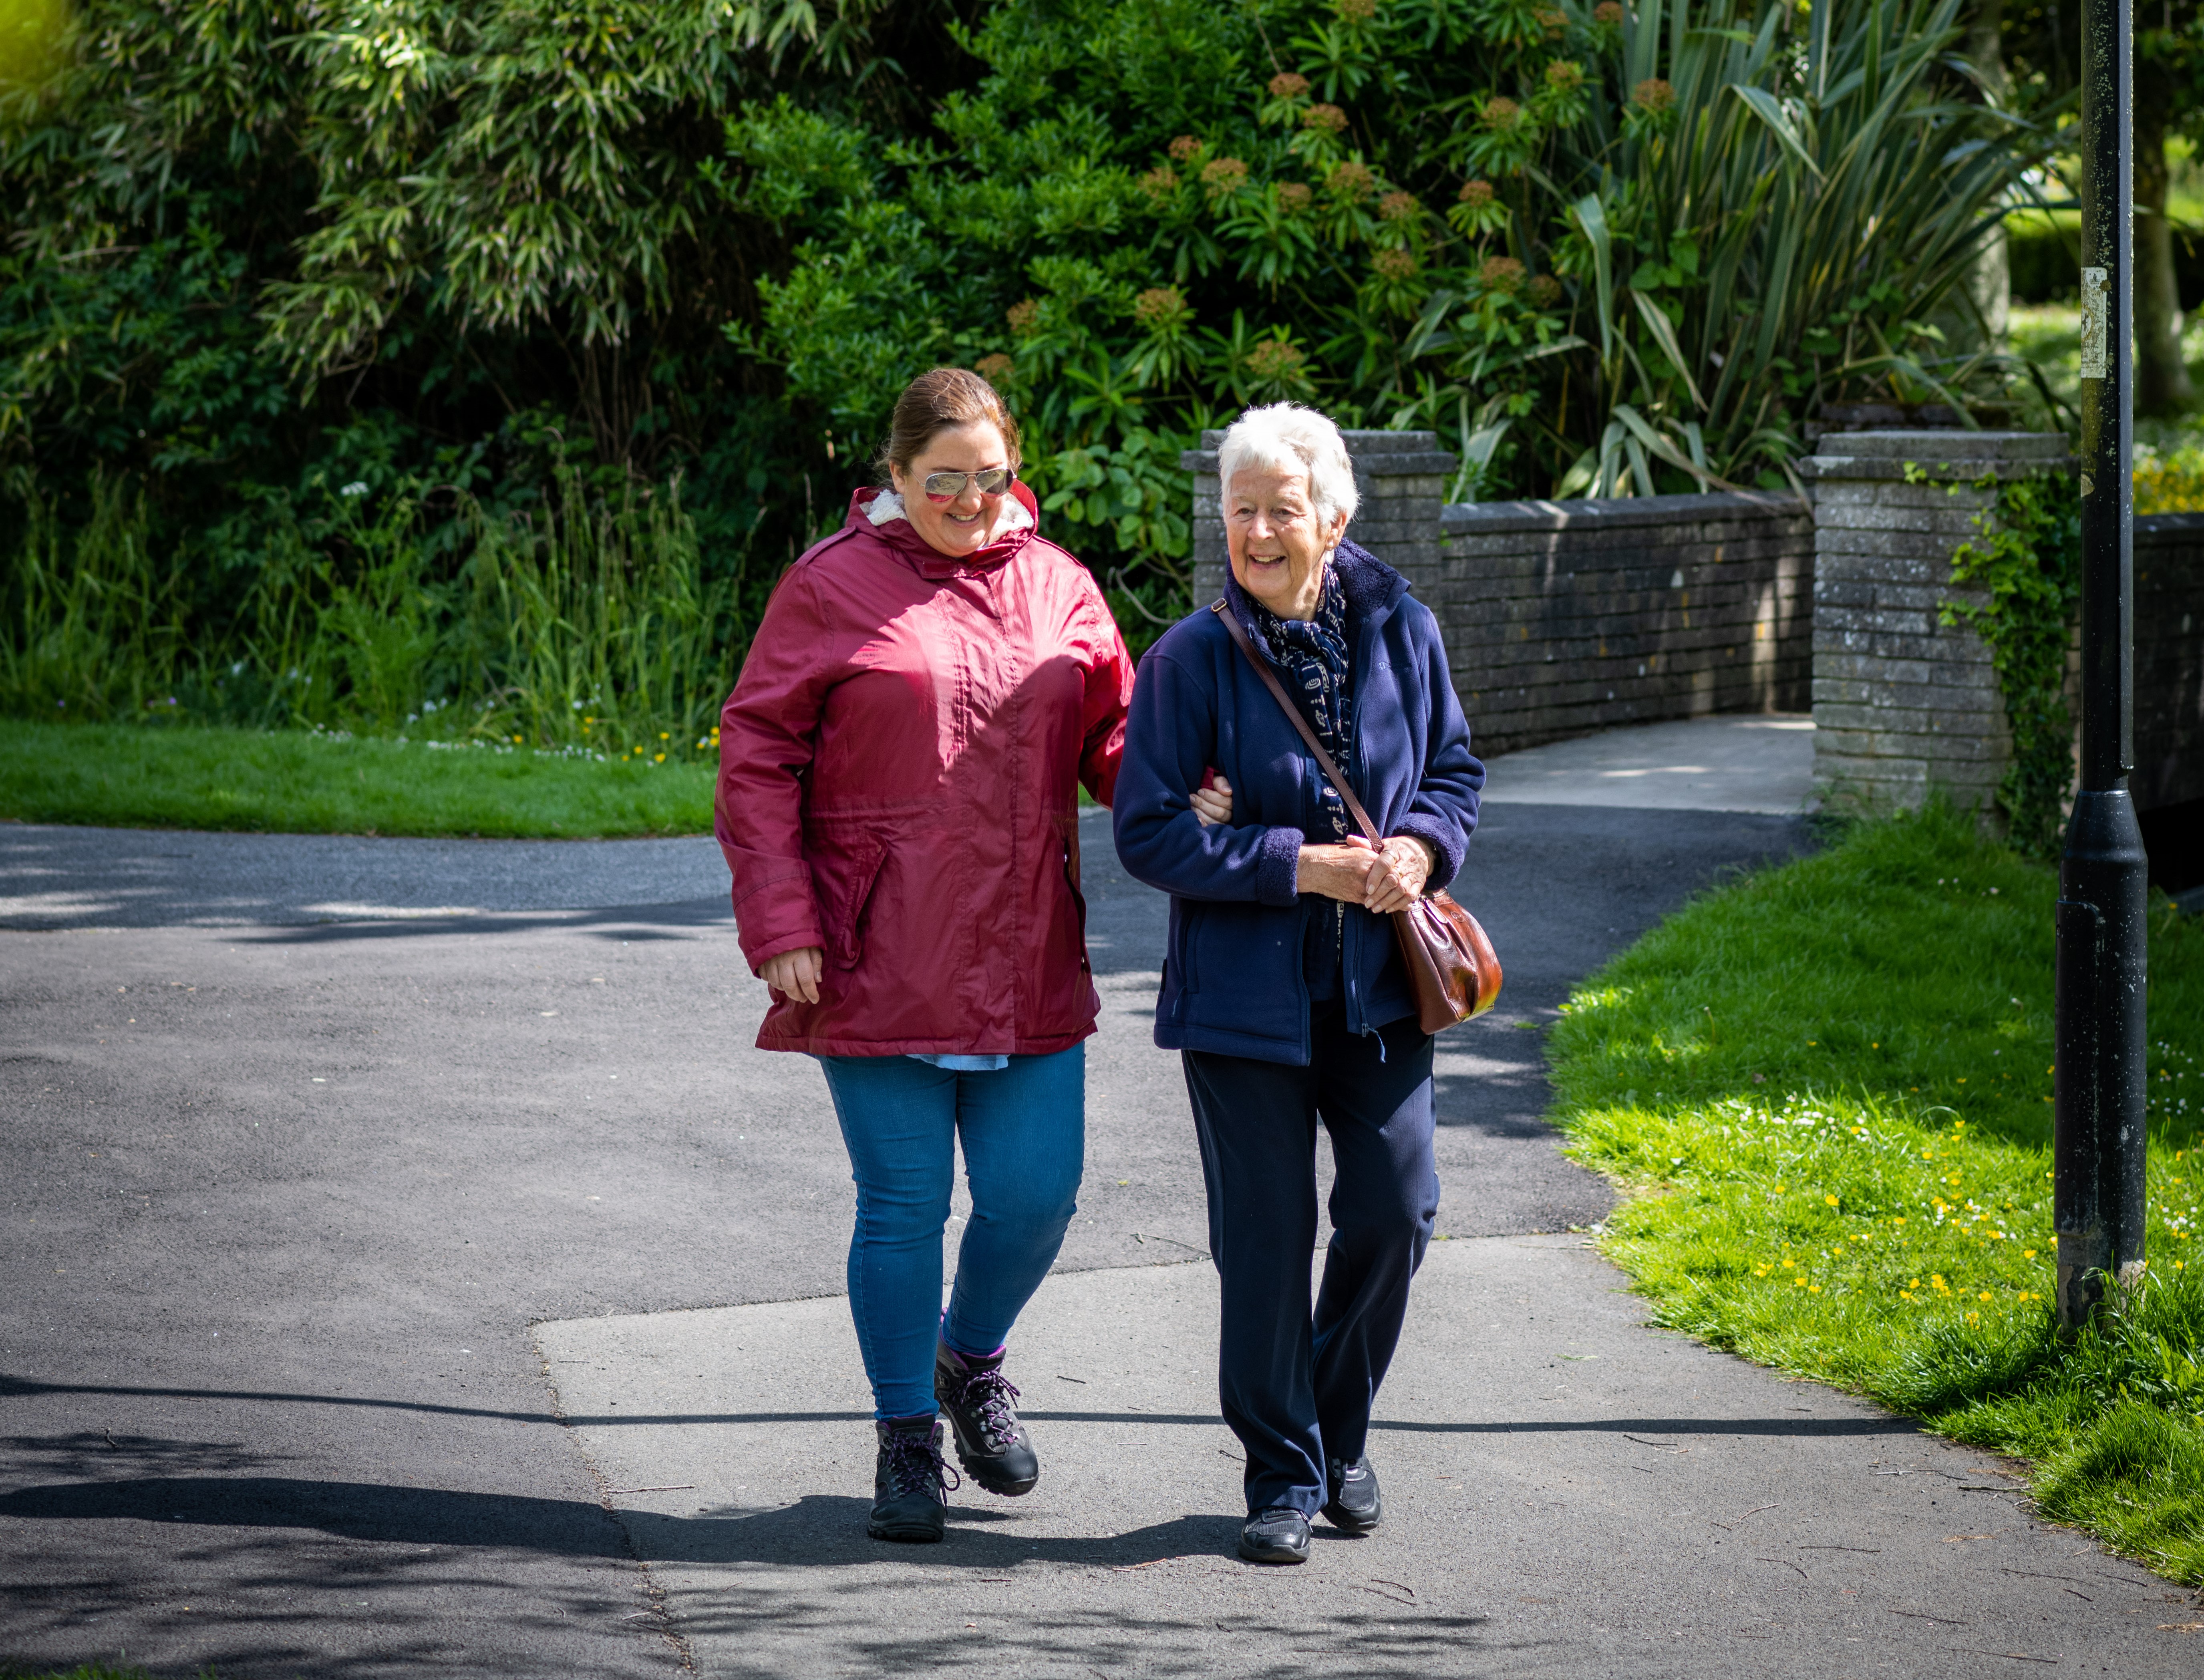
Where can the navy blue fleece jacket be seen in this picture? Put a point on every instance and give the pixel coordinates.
(1233, 978)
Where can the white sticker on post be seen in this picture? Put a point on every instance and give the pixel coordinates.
(2097, 306)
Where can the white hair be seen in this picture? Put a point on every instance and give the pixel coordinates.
(1288, 437)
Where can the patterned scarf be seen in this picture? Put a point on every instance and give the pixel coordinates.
(1313, 654)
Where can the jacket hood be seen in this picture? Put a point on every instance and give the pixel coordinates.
(882, 512)
(1371, 588)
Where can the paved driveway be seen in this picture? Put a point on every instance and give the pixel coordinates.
(302, 1135)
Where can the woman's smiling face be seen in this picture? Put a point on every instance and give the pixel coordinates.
(1277, 540)
(960, 524)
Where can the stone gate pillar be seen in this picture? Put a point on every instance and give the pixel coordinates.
(1402, 477)
(1904, 704)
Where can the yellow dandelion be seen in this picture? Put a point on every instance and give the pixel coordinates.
(1813, 1289)
(658, 758)
(1831, 1200)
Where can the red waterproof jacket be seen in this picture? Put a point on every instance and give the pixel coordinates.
(897, 771)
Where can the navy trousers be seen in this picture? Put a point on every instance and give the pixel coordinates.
(1297, 1387)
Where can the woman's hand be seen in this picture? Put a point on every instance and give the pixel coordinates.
(1381, 879)
(1213, 804)
(795, 974)
(1338, 871)
(1404, 869)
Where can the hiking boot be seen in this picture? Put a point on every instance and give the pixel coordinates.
(1355, 1507)
(1278, 1535)
(910, 1484)
(991, 1443)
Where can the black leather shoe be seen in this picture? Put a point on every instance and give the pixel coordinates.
(910, 1484)
(991, 1445)
(1355, 1505)
(1278, 1535)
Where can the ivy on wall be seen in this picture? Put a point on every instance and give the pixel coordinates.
(2026, 560)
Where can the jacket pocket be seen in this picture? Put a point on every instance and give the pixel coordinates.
(1078, 897)
(849, 929)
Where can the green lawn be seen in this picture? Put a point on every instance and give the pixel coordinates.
(1827, 1089)
(293, 782)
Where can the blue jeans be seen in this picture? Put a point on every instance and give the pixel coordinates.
(1024, 1131)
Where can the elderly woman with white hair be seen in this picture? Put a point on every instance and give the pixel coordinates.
(1284, 990)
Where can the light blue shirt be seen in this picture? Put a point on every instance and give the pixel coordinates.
(966, 1064)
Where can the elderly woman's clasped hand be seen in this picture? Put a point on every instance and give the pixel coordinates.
(1381, 879)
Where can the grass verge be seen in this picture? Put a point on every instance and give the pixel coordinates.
(1829, 1086)
(300, 782)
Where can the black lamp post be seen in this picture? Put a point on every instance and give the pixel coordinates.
(2098, 1136)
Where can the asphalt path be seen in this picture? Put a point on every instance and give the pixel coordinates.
(301, 1134)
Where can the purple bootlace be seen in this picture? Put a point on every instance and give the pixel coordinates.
(914, 1466)
(986, 1395)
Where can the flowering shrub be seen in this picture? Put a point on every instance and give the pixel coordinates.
(2169, 481)
(1583, 314)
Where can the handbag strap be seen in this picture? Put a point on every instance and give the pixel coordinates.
(1239, 635)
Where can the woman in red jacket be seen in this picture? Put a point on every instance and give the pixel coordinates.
(898, 802)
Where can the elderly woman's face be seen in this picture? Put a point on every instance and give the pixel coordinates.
(959, 524)
(1276, 541)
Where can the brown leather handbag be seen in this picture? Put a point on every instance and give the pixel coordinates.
(1451, 964)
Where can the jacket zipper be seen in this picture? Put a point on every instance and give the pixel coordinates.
(1357, 1017)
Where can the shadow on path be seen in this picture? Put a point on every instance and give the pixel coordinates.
(1693, 1426)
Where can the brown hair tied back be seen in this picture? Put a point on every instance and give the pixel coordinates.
(934, 402)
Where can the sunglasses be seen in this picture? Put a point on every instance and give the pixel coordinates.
(948, 486)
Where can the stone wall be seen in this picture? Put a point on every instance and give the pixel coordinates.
(1565, 617)
(1562, 619)
(1904, 705)
(2169, 659)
